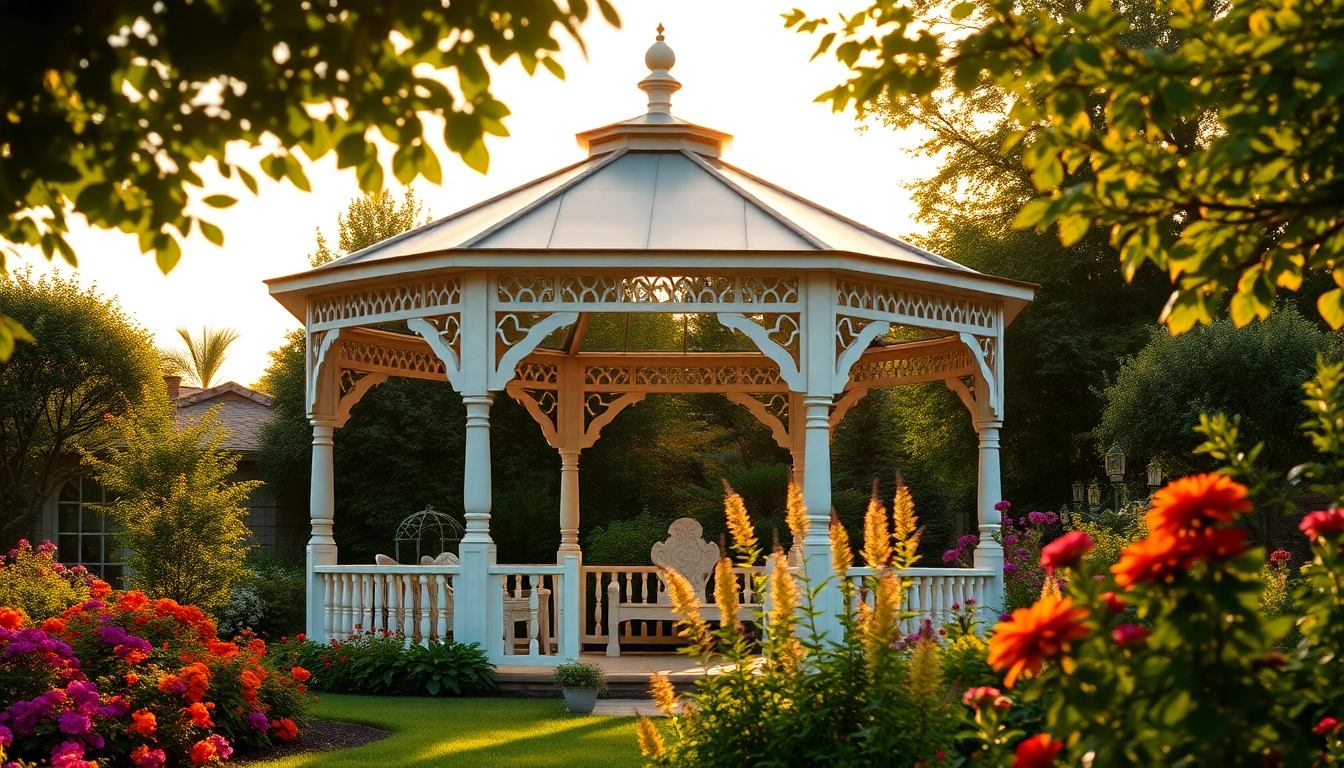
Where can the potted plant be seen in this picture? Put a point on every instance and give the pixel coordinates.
(581, 682)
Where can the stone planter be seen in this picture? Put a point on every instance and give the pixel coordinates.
(580, 700)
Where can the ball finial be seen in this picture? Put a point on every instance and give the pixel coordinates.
(660, 55)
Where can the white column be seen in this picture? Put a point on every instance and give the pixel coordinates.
(989, 491)
(569, 505)
(471, 601)
(817, 484)
(322, 512)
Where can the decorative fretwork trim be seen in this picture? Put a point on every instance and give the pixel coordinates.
(913, 306)
(890, 371)
(388, 302)
(421, 364)
(681, 290)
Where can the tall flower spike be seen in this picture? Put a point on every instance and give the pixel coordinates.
(725, 597)
(881, 628)
(686, 604)
(664, 695)
(739, 524)
(876, 537)
(783, 618)
(904, 524)
(650, 740)
(842, 557)
(795, 513)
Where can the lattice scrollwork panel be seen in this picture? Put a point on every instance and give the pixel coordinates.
(706, 376)
(351, 378)
(769, 290)
(705, 290)
(847, 330)
(989, 349)
(776, 404)
(597, 403)
(910, 367)
(601, 289)
(913, 304)
(606, 376)
(388, 300)
(392, 359)
(512, 327)
(784, 329)
(538, 374)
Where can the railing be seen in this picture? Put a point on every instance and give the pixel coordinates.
(640, 584)
(537, 606)
(414, 600)
(931, 592)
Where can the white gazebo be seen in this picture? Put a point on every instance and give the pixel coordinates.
(535, 293)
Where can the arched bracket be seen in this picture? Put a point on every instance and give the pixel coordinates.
(320, 371)
(842, 406)
(504, 370)
(851, 353)
(355, 394)
(965, 391)
(601, 420)
(546, 414)
(778, 429)
(983, 359)
(443, 349)
(788, 367)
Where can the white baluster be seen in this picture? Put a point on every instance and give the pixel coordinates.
(424, 609)
(597, 602)
(328, 592)
(357, 587)
(407, 607)
(444, 598)
(532, 628)
(393, 602)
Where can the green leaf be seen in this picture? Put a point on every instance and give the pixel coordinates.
(294, 170)
(167, 252)
(1331, 307)
(370, 175)
(1072, 228)
(477, 157)
(1031, 213)
(962, 10)
(219, 201)
(212, 233)
(249, 180)
(1048, 173)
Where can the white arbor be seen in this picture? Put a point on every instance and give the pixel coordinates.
(535, 293)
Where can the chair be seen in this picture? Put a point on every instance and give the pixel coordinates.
(684, 552)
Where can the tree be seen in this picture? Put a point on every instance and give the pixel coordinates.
(54, 397)
(180, 516)
(202, 357)
(113, 108)
(368, 220)
(1252, 206)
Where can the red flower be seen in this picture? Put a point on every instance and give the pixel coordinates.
(1113, 602)
(300, 674)
(54, 626)
(1195, 501)
(202, 752)
(132, 678)
(132, 601)
(1067, 551)
(12, 618)
(145, 722)
(300, 638)
(1129, 634)
(1325, 523)
(1035, 634)
(980, 696)
(285, 730)
(257, 645)
(1037, 752)
(1327, 725)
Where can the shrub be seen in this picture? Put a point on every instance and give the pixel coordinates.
(578, 674)
(625, 542)
(33, 582)
(138, 681)
(269, 600)
(1112, 534)
(1022, 539)
(383, 663)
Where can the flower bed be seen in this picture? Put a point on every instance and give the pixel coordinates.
(384, 663)
(140, 682)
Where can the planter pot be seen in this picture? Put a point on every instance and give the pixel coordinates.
(580, 700)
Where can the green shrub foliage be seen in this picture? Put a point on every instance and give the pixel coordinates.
(384, 664)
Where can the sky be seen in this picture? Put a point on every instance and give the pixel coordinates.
(740, 70)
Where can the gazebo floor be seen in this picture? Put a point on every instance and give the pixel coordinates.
(627, 676)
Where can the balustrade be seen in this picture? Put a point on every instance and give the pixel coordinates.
(415, 601)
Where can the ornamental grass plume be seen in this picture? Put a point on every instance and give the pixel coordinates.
(842, 557)
(725, 597)
(881, 627)
(664, 695)
(876, 537)
(650, 740)
(686, 604)
(783, 616)
(903, 526)
(1051, 586)
(739, 524)
(795, 514)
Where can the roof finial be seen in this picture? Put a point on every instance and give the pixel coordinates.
(660, 85)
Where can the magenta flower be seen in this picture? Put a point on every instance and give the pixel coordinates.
(951, 556)
(1003, 506)
(221, 746)
(6, 738)
(258, 720)
(155, 758)
(74, 723)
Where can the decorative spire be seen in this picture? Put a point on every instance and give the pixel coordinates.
(660, 85)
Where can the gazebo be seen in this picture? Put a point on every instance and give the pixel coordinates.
(541, 293)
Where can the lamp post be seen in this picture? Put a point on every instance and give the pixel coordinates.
(1154, 476)
(1115, 470)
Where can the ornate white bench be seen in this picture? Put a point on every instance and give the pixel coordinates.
(686, 553)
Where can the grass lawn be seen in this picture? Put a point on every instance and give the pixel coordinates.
(491, 733)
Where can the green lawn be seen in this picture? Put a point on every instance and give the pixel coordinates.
(491, 733)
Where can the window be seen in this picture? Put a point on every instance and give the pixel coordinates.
(82, 531)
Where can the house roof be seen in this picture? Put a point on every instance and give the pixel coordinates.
(242, 410)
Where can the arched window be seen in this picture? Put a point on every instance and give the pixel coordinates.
(82, 531)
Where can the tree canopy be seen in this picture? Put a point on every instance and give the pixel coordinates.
(200, 357)
(55, 397)
(1214, 154)
(370, 219)
(111, 109)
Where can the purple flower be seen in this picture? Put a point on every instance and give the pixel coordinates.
(1003, 506)
(258, 720)
(67, 754)
(951, 556)
(970, 601)
(83, 694)
(6, 738)
(112, 635)
(221, 746)
(74, 723)
(1037, 518)
(93, 605)
(1010, 567)
(1023, 553)
(155, 758)
(1004, 617)
(1011, 538)
(968, 540)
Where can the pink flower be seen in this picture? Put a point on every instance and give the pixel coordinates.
(1003, 506)
(1129, 634)
(1323, 524)
(1327, 725)
(980, 696)
(221, 745)
(1067, 551)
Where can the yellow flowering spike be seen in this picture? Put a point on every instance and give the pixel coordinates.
(926, 671)
(842, 557)
(686, 604)
(739, 524)
(876, 538)
(783, 618)
(650, 740)
(664, 695)
(1051, 587)
(725, 596)
(903, 529)
(864, 613)
(795, 514)
(881, 628)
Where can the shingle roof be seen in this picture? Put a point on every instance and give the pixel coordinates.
(242, 410)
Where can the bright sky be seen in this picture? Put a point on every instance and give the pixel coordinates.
(741, 72)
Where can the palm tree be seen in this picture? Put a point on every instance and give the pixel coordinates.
(200, 360)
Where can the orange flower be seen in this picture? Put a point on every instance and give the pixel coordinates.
(132, 679)
(200, 714)
(54, 626)
(257, 645)
(251, 682)
(132, 601)
(1037, 752)
(300, 674)
(1161, 557)
(12, 618)
(197, 678)
(1035, 634)
(222, 649)
(285, 730)
(99, 589)
(202, 752)
(1195, 501)
(145, 722)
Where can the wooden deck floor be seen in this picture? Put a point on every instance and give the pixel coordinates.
(627, 676)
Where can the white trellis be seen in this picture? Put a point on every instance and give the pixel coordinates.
(500, 298)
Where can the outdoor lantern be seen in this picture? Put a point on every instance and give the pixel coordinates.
(1078, 490)
(1064, 516)
(1154, 474)
(1093, 494)
(1115, 464)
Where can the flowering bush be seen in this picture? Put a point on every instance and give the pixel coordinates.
(1022, 538)
(142, 682)
(383, 663)
(32, 581)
